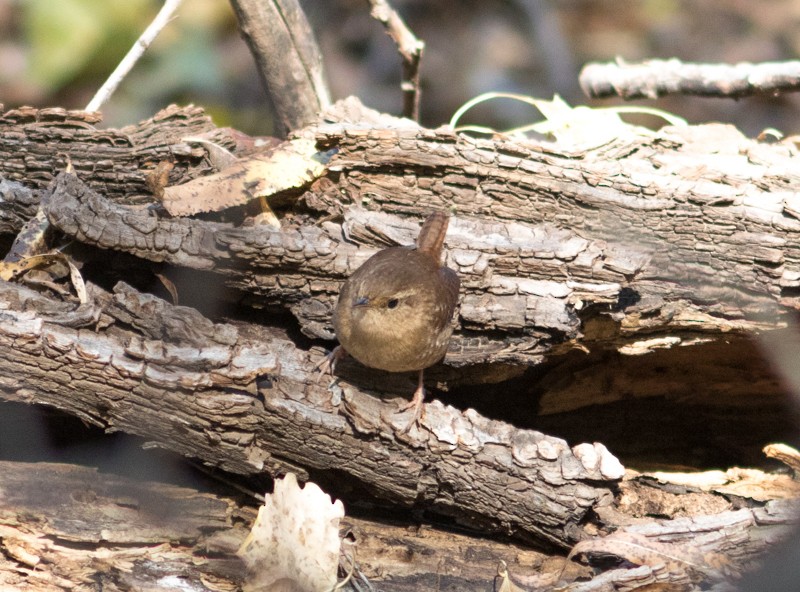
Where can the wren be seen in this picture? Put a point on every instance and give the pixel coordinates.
(395, 312)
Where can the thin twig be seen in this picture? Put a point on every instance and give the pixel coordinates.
(410, 49)
(162, 18)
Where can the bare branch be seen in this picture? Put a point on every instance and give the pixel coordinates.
(410, 49)
(287, 56)
(656, 78)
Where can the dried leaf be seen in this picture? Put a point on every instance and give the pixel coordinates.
(158, 179)
(77, 281)
(581, 125)
(293, 164)
(31, 240)
(219, 156)
(506, 585)
(294, 543)
(641, 550)
(170, 286)
(13, 269)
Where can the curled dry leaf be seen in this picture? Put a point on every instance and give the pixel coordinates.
(219, 156)
(294, 543)
(506, 585)
(170, 286)
(77, 281)
(291, 165)
(640, 550)
(13, 269)
(158, 179)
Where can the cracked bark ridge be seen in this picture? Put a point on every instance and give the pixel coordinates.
(302, 268)
(18, 204)
(709, 234)
(245, 403)
(35, 143)
(649, 239)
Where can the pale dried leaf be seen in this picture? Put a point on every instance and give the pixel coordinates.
(291, 165)
(13, 269)
(219, 156)
(581, 125)
(267, 218)
(77, 281)
(294, 543)
(506, 585)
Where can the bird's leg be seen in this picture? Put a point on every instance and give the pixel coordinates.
(415, 403)
(328, 364)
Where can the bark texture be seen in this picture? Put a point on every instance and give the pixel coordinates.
(574, 262)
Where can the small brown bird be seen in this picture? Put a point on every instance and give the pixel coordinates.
(394, 313)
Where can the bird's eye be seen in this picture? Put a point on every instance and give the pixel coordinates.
(392, 303)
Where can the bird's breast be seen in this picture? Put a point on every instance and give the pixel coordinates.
(409, 340)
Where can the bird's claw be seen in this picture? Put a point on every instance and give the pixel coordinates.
(417, 404)
(327, 365)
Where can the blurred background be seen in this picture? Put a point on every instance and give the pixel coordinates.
(59, 52)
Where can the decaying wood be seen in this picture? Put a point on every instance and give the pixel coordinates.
(634, 224)
(685, 238)
(245, 399)
(35, 144)
(70, 526)
(66, 526)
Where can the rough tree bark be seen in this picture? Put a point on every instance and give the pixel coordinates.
(645, 244)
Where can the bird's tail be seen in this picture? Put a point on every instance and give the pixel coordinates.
(431, 235)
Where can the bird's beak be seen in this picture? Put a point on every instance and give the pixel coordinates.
(362, 301)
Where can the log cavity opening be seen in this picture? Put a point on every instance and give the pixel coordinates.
(708, 406)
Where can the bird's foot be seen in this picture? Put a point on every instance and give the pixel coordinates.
(417, 404)
(328, 364)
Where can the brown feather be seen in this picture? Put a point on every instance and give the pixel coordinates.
(395, 312)
(431, 235)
